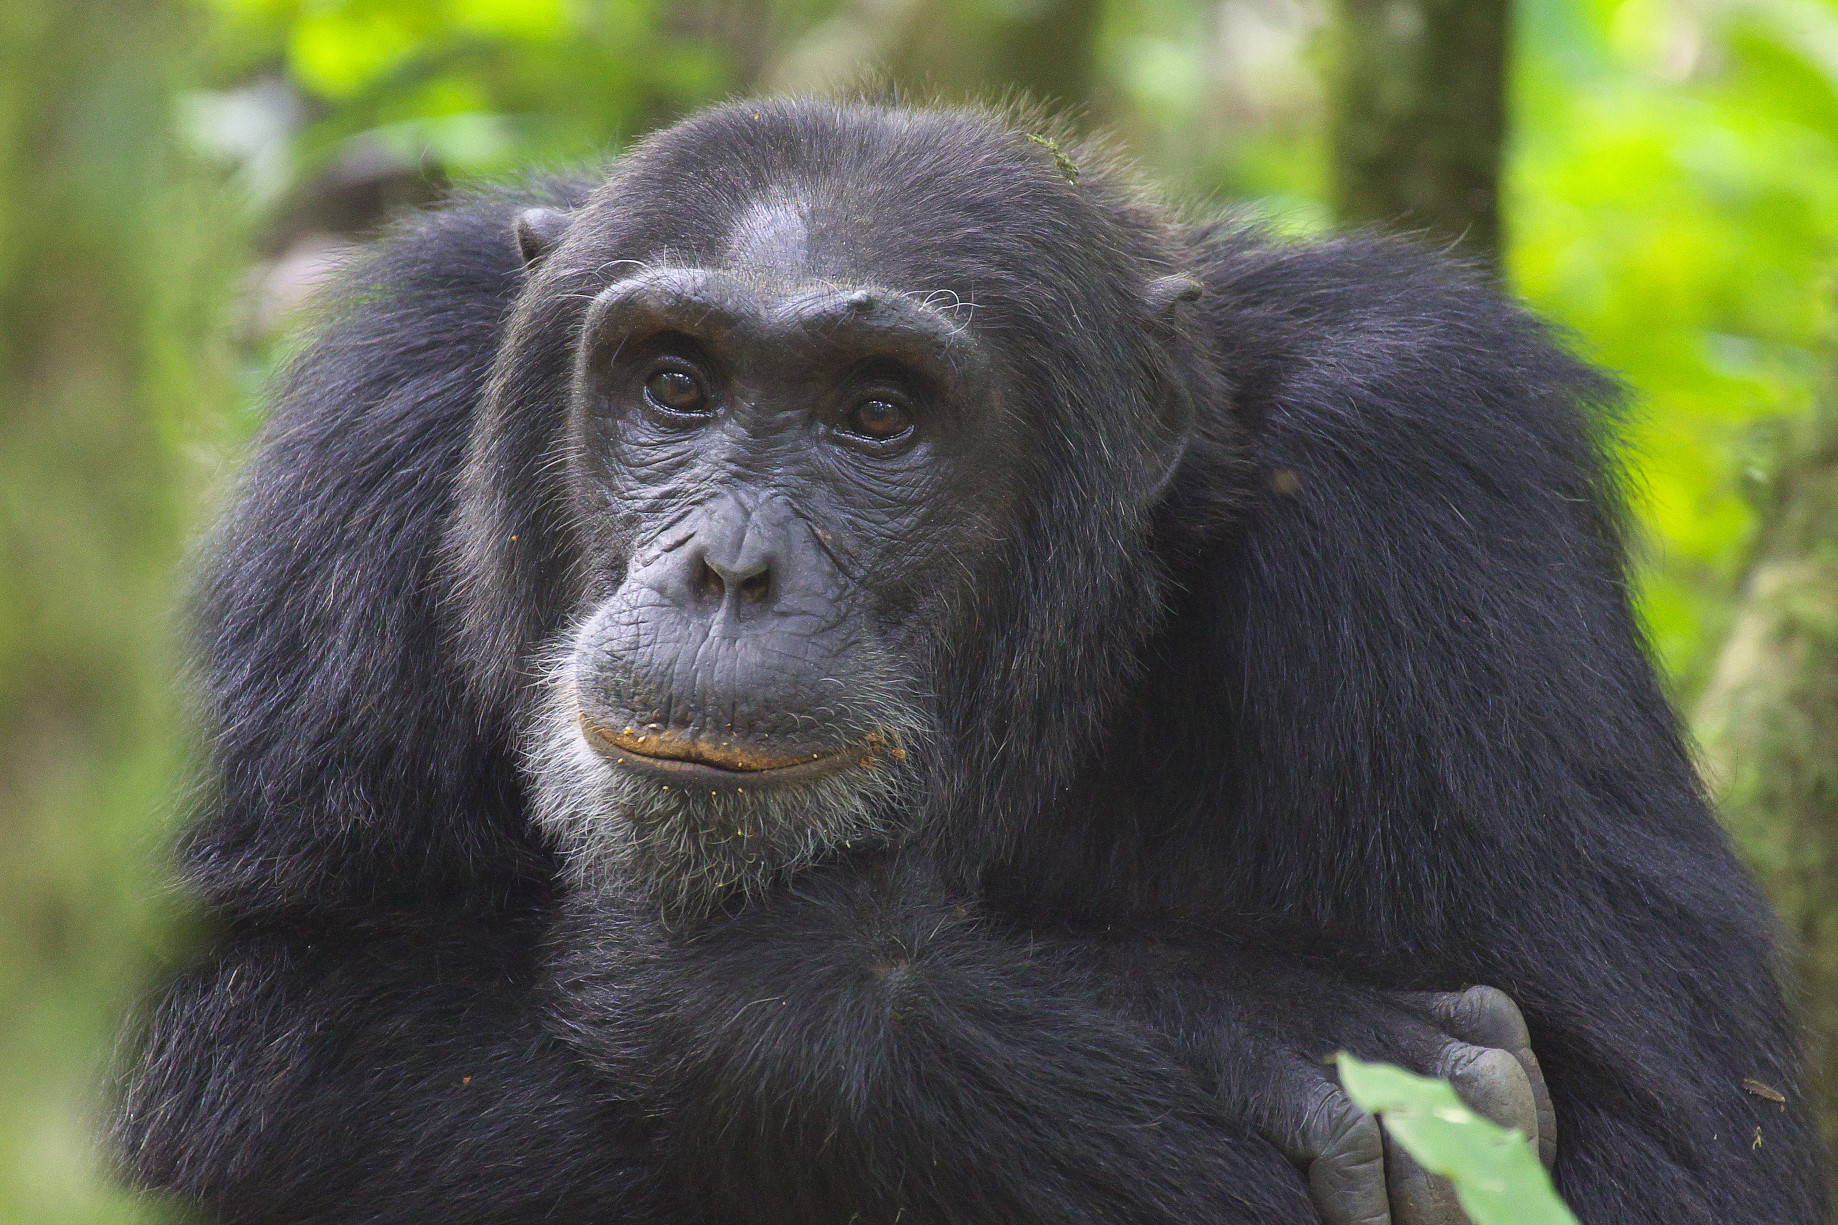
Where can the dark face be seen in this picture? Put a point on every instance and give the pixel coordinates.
(783, 487)
(818, 474)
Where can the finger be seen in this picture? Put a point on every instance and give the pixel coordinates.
(1337, 1144)
(1346, 1174)
(1493, 1085)
(1419, 1197)
(1487, 1016)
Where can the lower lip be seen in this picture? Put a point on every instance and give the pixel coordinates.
(715, 778)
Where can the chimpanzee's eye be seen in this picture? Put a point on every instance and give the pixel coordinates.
(677, 392)
(879, 419)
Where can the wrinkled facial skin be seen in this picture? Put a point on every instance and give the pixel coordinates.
(784, 489)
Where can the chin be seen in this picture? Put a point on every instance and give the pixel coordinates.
(693, 831)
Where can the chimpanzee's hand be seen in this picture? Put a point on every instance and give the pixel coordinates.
(1477, 1040)
(1257, 1029)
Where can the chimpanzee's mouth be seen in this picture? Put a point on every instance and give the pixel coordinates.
(701, 761)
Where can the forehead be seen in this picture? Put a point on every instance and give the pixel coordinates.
(791, 242)
(771, 239)
(799, 234)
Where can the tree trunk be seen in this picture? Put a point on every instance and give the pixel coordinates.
(1769, 727)
(1421, 116)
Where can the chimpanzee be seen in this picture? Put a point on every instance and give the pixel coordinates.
(859, 670)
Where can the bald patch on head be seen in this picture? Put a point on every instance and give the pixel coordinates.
(772, 236)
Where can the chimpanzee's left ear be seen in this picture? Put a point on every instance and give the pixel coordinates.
(1175, 413)
(538, 230)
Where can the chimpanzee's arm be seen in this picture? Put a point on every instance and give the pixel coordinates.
(866, 1046)
(864, 1050)
(392, 1069)
(362, 1043)
(1445, 757)
(808, 1060)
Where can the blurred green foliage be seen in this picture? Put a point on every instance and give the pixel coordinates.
(174, 172)
(1673, 197)
(469, 86)
(116, 263)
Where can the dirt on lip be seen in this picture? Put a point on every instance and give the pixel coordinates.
(668, 745)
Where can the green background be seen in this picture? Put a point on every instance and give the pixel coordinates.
(172, 174)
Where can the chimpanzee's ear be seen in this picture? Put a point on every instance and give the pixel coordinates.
(1165, 293)
(538, 230)
(1162, 298)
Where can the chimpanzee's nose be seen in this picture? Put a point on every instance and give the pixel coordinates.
(714, 578)
(728, 554)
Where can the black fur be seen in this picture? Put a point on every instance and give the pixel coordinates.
(1355, 703)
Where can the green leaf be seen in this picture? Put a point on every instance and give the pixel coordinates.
(1496, 1177)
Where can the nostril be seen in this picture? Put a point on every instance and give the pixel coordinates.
(707, 584)
(756, 587)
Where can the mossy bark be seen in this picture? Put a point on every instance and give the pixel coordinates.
(1420, 118)
(1768, 723)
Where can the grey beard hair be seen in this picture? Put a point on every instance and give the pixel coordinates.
(688, 851)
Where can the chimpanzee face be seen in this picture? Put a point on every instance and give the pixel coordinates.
(818, 467)
(784, 486)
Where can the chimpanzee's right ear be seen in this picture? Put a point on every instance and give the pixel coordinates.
(1166, 293)
(538, 230)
